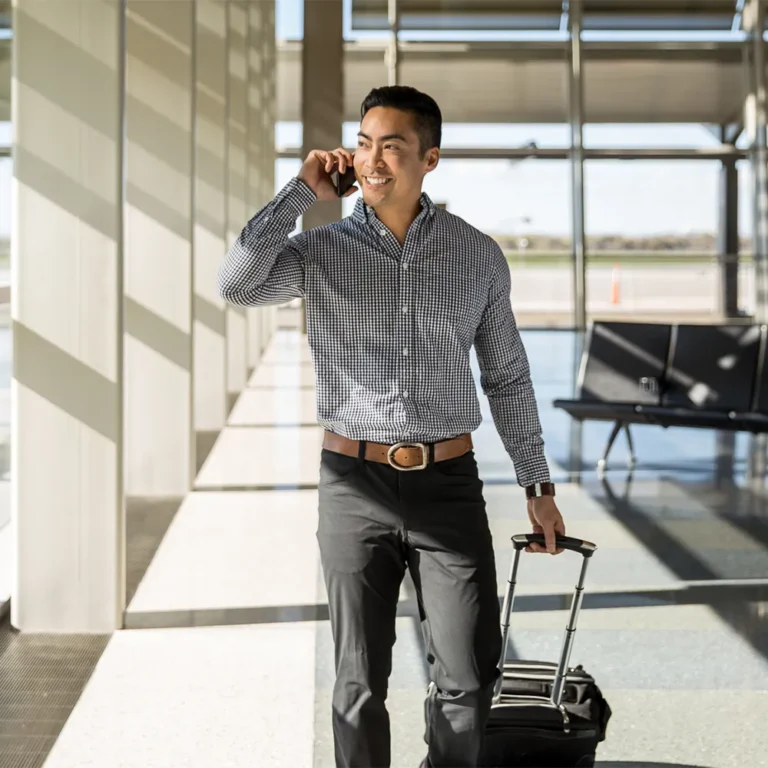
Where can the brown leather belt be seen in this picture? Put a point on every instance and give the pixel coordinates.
(404, 456)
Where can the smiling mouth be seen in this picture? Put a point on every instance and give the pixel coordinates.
(376, 181)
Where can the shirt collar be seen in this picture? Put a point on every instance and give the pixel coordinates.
(364, 214)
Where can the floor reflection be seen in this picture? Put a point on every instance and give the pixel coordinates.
(708, 483)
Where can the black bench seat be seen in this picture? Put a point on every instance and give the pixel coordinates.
(597, 411)
(672, 375)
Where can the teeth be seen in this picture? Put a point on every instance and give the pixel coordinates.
(377, 182)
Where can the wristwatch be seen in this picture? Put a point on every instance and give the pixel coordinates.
(539, 489)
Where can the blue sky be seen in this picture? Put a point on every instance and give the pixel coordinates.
(632, 198)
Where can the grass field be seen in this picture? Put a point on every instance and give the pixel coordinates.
(520, 259)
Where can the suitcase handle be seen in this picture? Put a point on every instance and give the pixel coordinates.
(583, 547)
(521, 541)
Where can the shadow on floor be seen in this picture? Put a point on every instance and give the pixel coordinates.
(41, 679)
(42, 676)
(692, 594)
(633, 764)
(147, 521)
(744, 616)
(204, 442)
(744, 508)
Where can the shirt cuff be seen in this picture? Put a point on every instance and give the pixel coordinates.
(296, 197)
(534, 470)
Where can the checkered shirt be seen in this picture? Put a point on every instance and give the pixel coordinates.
(391, 327)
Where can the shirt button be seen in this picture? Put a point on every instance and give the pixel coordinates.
(383, 232)
(405, 266)
(405, 309)
(405, 394)
(405, 351)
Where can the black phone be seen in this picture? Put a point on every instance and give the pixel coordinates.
(344, 181)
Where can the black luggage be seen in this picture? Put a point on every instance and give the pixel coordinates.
(545, 715)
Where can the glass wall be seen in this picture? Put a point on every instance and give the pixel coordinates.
(525, 206)
(652, 226)
(652, 239)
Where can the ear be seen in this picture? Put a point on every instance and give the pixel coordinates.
(432, 159)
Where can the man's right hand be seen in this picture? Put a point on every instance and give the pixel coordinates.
(318, 167)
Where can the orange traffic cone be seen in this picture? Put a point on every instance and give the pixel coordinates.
(615, 286)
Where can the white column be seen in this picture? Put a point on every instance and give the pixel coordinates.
(236, 176)
(269, 115)
(67, 252)
(322, 96)
(158, 247)
(756, 121)
(254, 142)
(322, 91)
(210, 324)
(393, 51)
(261, 145)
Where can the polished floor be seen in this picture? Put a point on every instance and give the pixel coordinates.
(227, 658)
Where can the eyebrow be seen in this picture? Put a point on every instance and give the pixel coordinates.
(388, 137)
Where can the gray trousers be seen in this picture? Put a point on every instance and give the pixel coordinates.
(374, 523)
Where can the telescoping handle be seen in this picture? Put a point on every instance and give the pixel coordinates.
(521, 541)
(586, 548)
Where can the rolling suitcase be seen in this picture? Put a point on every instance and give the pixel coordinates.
(545, 715)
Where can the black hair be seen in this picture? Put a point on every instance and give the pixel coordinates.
(427, 116)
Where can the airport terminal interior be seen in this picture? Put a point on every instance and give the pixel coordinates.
(162, 603)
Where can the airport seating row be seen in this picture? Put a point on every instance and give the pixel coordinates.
(672, 375)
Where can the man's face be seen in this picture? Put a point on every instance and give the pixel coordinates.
(388, 161)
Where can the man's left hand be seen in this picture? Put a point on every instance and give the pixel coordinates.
(545, 518)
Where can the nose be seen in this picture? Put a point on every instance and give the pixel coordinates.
(376, 163)
(376, 158)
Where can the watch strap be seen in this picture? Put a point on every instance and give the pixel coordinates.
(539, 489)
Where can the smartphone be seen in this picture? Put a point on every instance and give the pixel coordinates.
(344, 181)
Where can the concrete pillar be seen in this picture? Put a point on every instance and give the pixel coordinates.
(67, 271)
(210, 314)
(256, 34)
(393, 50)
(755, 122)
(261, 146)
(322, 95)
(158, 247)
(728, 238)
(237, 330)
(322, 92)
(269, 115)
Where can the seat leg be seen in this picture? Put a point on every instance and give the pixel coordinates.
(632, 456)
(611, 440)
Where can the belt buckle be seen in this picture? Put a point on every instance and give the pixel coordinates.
(424, 456)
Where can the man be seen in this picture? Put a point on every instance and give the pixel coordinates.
(396, 296)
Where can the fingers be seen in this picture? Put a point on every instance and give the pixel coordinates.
(549, 538)
(535, 546)
(559, 530)
(550, 531)
(343, 158)
(546, 519)
(339, 158)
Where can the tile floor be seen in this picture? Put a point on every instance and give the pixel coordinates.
(228, 661)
